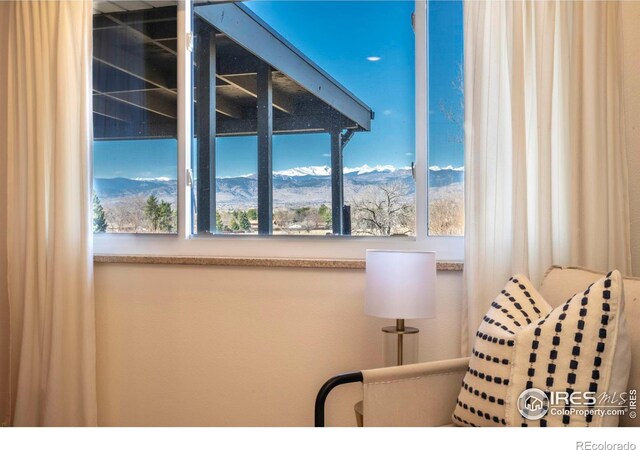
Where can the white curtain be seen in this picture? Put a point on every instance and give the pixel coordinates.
(545, 161)
(47, 143)
(5, 395)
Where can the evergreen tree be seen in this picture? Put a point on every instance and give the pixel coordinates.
(99, 219)
(160, 215)
(325, 213)
(165, 217)
(234, 225)
(151, 212)
(243, 221)
(219, 224)
(252, 214)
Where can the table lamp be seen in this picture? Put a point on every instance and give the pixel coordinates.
(400, 285)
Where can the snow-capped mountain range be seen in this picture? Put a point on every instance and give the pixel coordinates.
(449, 167)
(154, 179)
(325, 171)
(296, 186)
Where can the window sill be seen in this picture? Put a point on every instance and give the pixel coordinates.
(271, 247)
(301, 263)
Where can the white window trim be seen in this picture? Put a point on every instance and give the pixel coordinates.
(447, 248)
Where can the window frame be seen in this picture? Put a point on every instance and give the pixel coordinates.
(183, 243)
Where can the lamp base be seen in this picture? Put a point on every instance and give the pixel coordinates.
(400, 330)
(394, 330)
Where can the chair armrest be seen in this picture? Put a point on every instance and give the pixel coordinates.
(414, 395)
(327, 387)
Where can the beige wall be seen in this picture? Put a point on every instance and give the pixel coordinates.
(631, 31)
(196, 345)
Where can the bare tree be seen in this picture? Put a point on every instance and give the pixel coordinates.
(446, 211)
(456, 116)
(126, 215)
(446, 204)
(312, 220)
(283, 218)
(383, 210)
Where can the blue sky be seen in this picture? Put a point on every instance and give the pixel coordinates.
(342, 38)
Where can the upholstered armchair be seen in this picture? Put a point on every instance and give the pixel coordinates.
(425, 394)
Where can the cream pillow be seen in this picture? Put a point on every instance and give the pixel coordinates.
(523, 343)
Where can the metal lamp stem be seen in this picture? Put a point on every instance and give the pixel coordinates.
(400, 330)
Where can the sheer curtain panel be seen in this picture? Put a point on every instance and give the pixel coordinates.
(46, 143)
(546, 180)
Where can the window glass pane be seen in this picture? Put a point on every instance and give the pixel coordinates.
(236, 185)
(134, 106)
(446, 117)
(317, 85)
(302, 184)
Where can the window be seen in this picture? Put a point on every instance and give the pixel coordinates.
(304, 118)
(296, 118)
(134, 118)
(446, 117)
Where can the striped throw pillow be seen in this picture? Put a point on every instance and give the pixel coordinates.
(523, 343)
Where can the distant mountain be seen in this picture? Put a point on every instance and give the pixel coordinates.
(320, 171)
(113, 188)
(296, 186)
(449, 167)
(444, 176)
(325, 171)
(368, 169)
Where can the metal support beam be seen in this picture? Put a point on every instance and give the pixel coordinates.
(113, 109)
(206, 129)
(109, 79)
(106, 53)
(247, 84)
(289, 124)
(147, 100)
(228, 108)
(103, 114)
(265, 135)
(225, 106)
(140, 35)
(337, 182)
(111, 129)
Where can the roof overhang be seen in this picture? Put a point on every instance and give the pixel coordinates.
(135, 75)
(246, 29)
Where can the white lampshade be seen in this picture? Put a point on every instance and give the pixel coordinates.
(400, 285)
